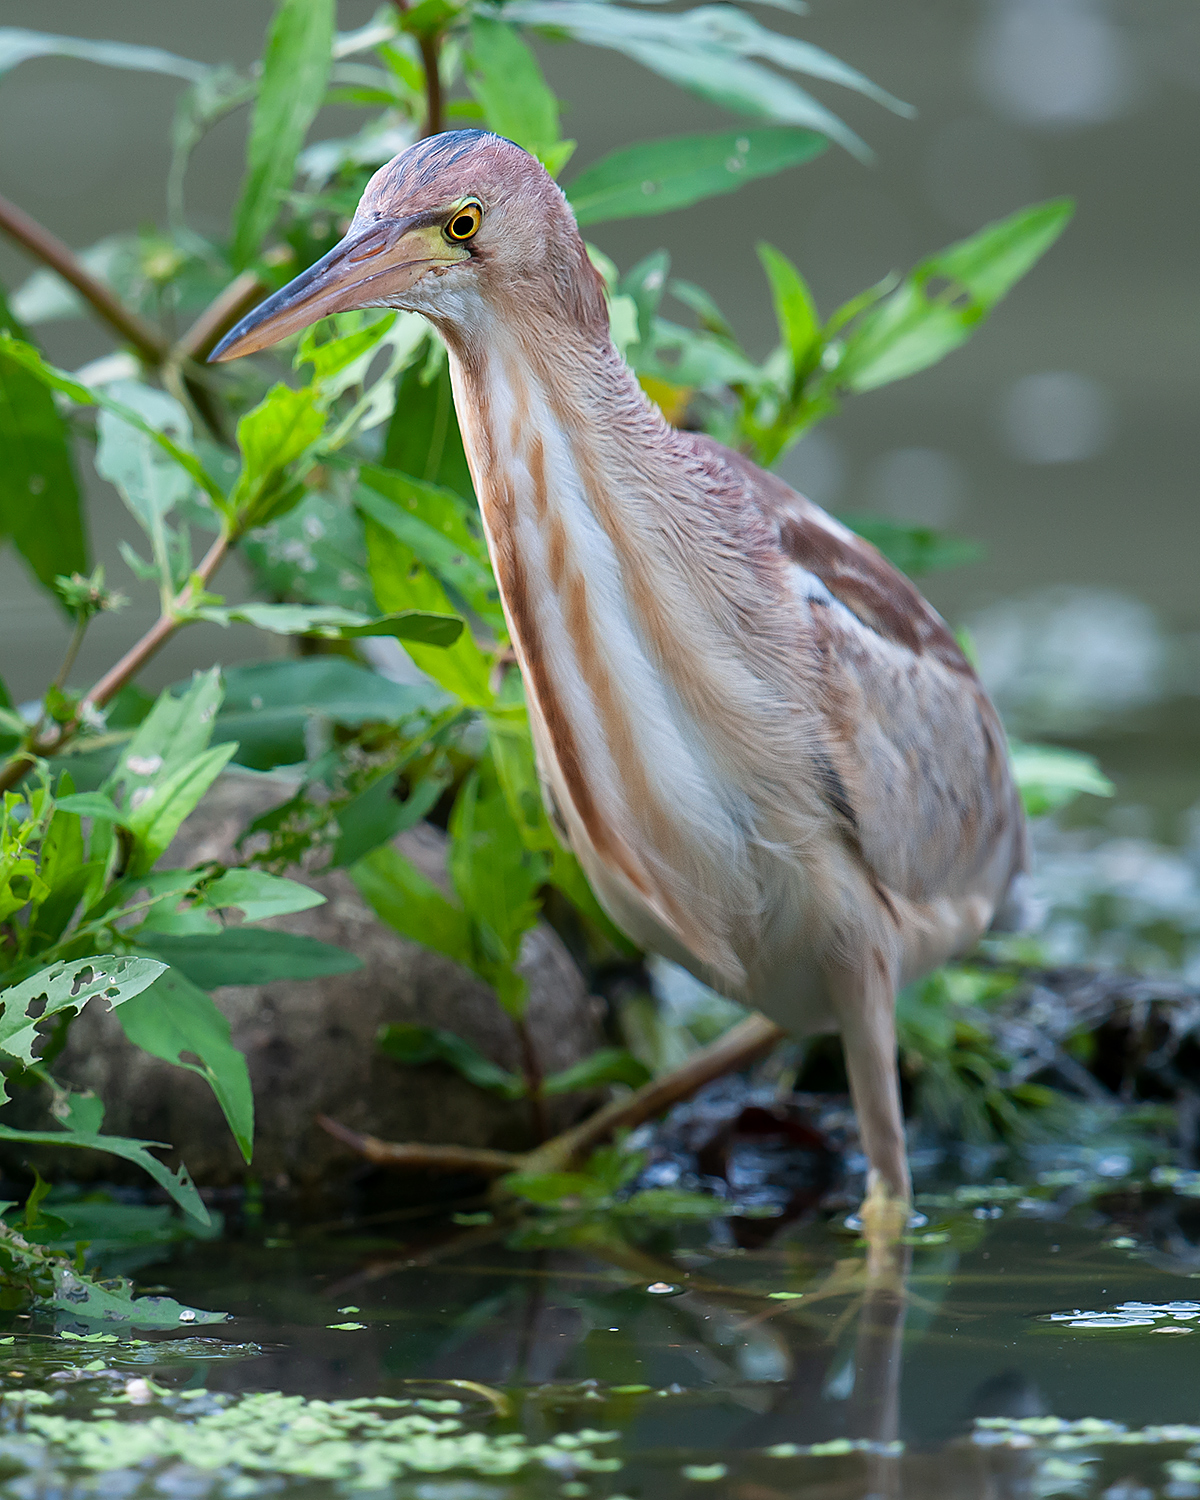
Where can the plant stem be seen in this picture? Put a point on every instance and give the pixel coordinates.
(532, 1069)
(242, 293)
(129, 665)
(430, 57)
(49, 249)
(161, 631)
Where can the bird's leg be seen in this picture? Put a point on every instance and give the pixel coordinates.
(863, 996)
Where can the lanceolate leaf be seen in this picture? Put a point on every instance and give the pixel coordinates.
(172, 1017)
(941, 302)
(250, 955)
(608, 1065)
(507, 81)
(1050, 777)
(18, 45)
(413, 905)
(258, 895)
(657, 176)
(434, 523)
(418, 1045)
(147, 478)
(335, 624)
(295, 71)
(914, 549)
(794, 309)
(703, 50)
(178, 1184)
(268, 705)
(155, 820)
(39, 497)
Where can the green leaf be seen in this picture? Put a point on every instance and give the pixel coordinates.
(914, 549)
(496, 878)
(944, 299)
(175, 731)
(377, 815)
(258, 895)
(268, 705)
(657, 176)
(795, 312)
(92, 805)
(707, 50)
(423, 438)
(248, 955)
(608, 1065)
(398, 893)
(333, 356)
(39, 496)
(178, 1184)
(678, 1203)
(1050, 777)
(279, 430)
(155, 820)
(332, 623)
(555, 1188)
(418, 1045)
(58, 380)
(505, 77)
(401, 581)
(68, 986)
(171, 1017)
(315, 553)
(64, 868)
(84, 1298)
(18, 45)
(145, 475)
(438, 527)
(296, 67)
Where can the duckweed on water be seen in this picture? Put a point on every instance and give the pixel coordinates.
(1159, 1317)
(360, 1444)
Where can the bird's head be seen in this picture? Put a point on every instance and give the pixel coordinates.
(464, 227)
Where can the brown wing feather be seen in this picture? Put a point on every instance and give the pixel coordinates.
(917, 763)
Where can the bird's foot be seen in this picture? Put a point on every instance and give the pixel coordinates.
(885, 1218)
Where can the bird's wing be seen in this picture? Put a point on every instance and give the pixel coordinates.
(922, 779)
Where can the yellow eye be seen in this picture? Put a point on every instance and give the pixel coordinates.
(465, 222)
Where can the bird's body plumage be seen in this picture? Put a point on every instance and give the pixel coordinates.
(768, 751)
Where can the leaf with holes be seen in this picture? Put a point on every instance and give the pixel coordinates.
(68, 986)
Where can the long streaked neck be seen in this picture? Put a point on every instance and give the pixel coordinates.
(575, 471)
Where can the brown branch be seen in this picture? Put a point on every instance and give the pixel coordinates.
(49, 249)
(415, 1157)
(242, 293)
(160, 632)
(740, 1046)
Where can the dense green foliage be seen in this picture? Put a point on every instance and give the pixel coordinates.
(337, 470)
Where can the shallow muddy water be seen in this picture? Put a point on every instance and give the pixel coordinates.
(1034, 1339)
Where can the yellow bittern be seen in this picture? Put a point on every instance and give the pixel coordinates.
(767, 750)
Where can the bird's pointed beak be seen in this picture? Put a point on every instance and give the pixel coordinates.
(366, 269)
